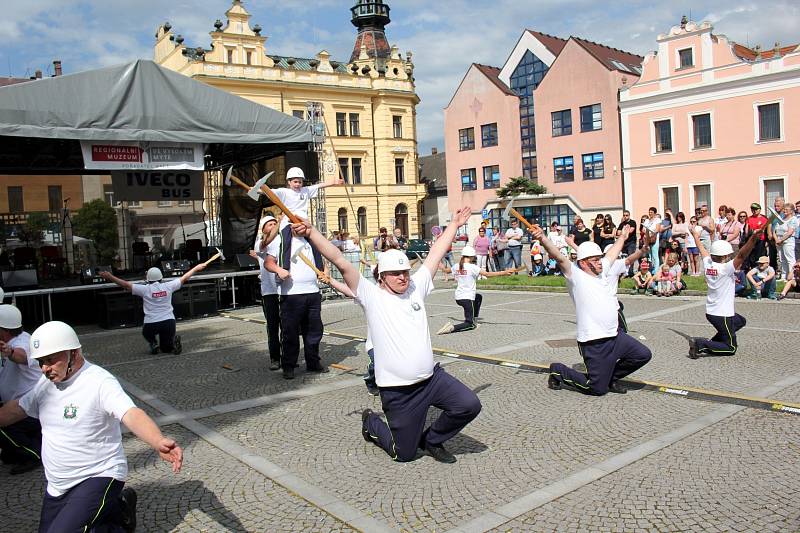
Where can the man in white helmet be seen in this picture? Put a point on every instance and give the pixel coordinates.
(80, 407)
(609, 353)
(21, 443)
(720, 273)
(409, 380)
(156, 295)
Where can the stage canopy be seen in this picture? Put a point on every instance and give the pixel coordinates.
(43, 121)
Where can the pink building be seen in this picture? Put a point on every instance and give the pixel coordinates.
(571, 144)
(708, 123)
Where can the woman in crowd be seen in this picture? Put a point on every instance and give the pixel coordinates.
(664, 235)
(722, 217)
(597, 230)
(692, 251)
(579, 234)
(680, 230)
(481, 244)
(608, 232)
(558, 240)
(793, 284)
(784, 239)
(731, 229)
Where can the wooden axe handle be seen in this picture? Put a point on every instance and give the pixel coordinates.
(310, 264)
(212, 259)
(521, 218)
(240, 183)
(280, 205)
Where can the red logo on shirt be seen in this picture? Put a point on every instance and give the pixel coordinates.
(711, 272)
(159, 294)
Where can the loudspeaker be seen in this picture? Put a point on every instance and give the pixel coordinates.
(119, 309)
(175, 267)
(182, 303)
(245, 262)
(204, 299)
(20, 279)
(91, 275)
(308, 161)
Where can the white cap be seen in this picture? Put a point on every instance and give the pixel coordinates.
(295, 172)
(721, 248)
(268, 218)
(537, 257)
(154, 274)
(468, 251)
(53, 337)
(10, 317)
(588, 249)
(392, 260)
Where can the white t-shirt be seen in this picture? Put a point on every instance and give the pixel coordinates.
(690, 240)
(296, 202)
(676, 270)
(16, 379)
(760, 275)
(514, 236)
(595, 306)
(616, 269)
(303, 279)
(721, 281)
(268, 283)
(466, 280)
(157, 299)
(652, 226)
(80, 419)
(398, 327)
(558, 240)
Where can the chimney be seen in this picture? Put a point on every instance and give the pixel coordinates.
(38, 74)
(57, 67)
(434, 151)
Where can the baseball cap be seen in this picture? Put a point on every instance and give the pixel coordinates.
(755, 205)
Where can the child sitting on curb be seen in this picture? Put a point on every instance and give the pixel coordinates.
(642, 279)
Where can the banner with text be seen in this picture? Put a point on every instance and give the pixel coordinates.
(145, 155)
(159, 185)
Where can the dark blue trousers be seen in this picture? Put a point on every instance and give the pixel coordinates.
(301, 316)
(622, 324)
(606, 360)
(272, 313)
(91, 505)
(165, 330)
(472, 308)
(369, 377)
(21, 441)
(406, 410)
(724, 342)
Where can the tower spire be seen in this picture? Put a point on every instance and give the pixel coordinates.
(371, 18)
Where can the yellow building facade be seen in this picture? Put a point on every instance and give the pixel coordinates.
(368, 103)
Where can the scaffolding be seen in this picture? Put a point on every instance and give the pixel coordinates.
(316, 116)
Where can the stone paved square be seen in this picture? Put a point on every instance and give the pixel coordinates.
(265, 454)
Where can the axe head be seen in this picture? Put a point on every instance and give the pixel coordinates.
(255, 190)
(507, 211)
(221, 255)
(228, 176)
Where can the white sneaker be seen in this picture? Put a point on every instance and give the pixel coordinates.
(447, 328)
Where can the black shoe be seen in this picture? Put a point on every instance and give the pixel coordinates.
(177, 348)
(693, 353)
(127, 504)
(373, 390)
(153, 348)
(318, 369)
(780, 297)
(24, 466)
(553, 383)
(364, 433)
(288, 373)
(617, 388)
(274, 364)
(440, 453)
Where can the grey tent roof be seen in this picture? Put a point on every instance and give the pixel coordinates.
(140, 101)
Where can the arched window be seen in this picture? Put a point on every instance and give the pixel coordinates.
(342, 214)
(401, 218)
(362, 221)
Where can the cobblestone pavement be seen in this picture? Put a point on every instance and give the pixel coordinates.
(264, 454)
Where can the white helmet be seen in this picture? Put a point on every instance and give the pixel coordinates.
(537, 257)
(468, 251)
(295, 172)
(53, 337)
(154, 274)
(10, 317)
(392, 260)
(588, 249)
(721, 248)
(607, 248)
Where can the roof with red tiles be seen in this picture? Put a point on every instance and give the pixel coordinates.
(611, 58)
(551, 42)
(750, 54)
(493, 74)
(12, 81)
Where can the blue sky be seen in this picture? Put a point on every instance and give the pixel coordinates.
(445, 39)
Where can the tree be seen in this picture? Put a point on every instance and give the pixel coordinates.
(33, 230)
(520, 185)
(97, 221)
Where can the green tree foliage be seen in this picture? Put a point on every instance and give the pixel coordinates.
(520, 185)
(97, 221)
(33, 230)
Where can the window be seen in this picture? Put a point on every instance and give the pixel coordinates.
(591, 118)
(469, 181)
(15, 203)
(298, 113)
(341, 124)
(342, 216)
(54, 198)
(362, 221)
(164, 203)
(489, 135)
(356, 163)
(593, 166)
(108, 193)
(134, 204)
(248, 58)
(491, 177)
(563, 169)
(562, 123)
(701, 126)
(663, 133)
(670, 199)
(399, 171)
(773, 188)
(702, 196)
(397, 126)
(466, 139)
(541, 214)
(344, 169)
(230, 56)
(355, 129)
(686, 58)
(769, 122)
(527, 75)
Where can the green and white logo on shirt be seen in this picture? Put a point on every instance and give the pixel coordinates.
(70, 412)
